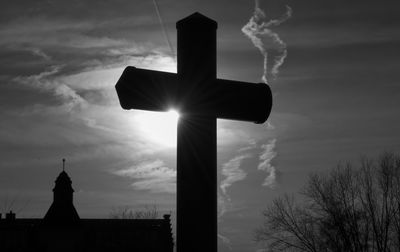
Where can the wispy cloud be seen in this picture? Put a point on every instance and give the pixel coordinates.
(38, 52)
(232, 171)
(151, 175)
(265, 165)
(267, 41)
(47, 33)
(46, 81)
(74, 44)
(226, 241)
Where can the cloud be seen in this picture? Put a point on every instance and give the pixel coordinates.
(38, 52)
(267, 41)
(43, 32)
(226, 241)
(266, 157)
(236, 133)
(224, 204)
(46, 81)
(232, 172)
(74, 44)
(151, 175)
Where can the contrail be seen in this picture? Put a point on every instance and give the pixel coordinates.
(164, 29)
(266, 40)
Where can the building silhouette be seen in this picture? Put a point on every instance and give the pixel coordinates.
(62, 229)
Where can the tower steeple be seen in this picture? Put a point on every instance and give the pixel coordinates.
(62, 210)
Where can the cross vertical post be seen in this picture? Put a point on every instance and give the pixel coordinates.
(197, 137)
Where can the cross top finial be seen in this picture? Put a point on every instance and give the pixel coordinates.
(63, 161)
(196, 20)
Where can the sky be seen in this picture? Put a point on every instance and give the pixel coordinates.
(336, 97)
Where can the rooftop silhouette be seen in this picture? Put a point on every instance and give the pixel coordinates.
(63, 230)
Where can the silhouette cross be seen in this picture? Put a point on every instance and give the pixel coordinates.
(200, 98)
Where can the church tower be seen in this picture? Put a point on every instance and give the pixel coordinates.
(62, 210)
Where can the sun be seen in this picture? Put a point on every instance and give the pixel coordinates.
(159, 127)
(173, 114)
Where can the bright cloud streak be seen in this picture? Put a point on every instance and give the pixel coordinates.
(266, 40)
(232, 171)
(265, 163)
(151, 175)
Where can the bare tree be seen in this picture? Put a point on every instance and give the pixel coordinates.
(126, 212)
(350, 209)
(287, 227)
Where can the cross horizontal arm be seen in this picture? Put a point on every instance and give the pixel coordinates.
(146, 89)
(243, 101)
(225, 99)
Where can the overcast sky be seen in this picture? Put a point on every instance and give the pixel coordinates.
(336, 97)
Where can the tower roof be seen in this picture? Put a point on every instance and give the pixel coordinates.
(63, 180)
(62, 210)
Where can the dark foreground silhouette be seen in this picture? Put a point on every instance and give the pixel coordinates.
(63, 230)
